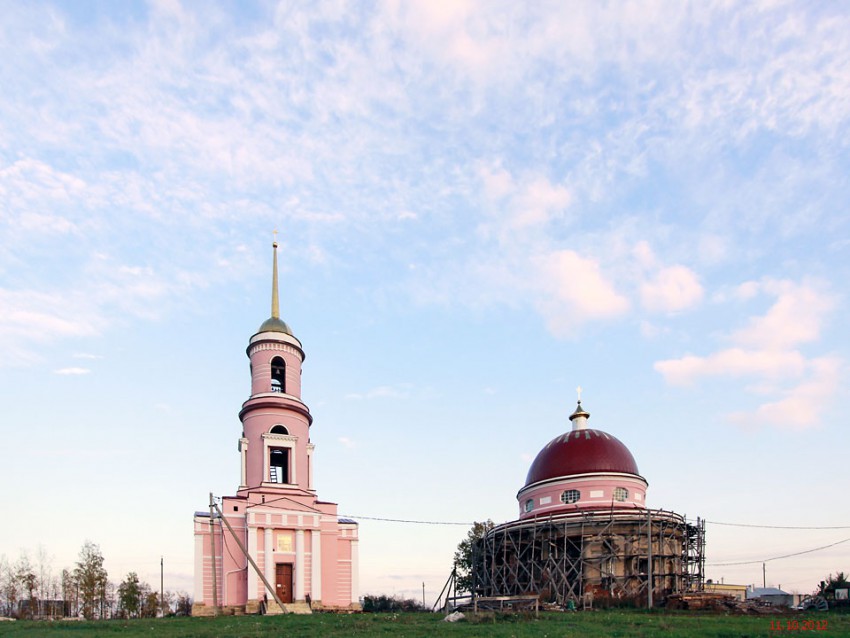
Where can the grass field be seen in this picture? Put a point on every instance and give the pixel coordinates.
(585, 624)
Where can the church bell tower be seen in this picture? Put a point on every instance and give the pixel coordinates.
(275, 547)
(275, 445)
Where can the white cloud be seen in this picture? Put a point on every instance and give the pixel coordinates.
(733, 362)
(520, 204)
(497, 181)
(346, 442)
(747, 290)
(575, 291)
(539, 202)
(666, 289)
(671, 289)
(796, 317)
(767, 353)
(43, 316)
(72, 371)
(801, 406)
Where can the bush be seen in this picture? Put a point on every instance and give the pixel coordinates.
(384, 603)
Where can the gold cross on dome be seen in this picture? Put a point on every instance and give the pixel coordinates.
(578, 391)
(274, 241)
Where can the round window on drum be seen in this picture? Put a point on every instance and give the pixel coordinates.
(570, 496)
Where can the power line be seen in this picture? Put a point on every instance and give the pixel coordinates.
(767, 560)
(401, 520)
(751, 525)
(467, 524)
(778, 526)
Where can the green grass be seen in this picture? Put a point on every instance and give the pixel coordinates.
(601, 624)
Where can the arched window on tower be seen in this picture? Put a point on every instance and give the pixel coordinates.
(278, 375)
(279, 465)
(279, 429)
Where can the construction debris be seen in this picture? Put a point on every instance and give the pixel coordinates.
(708, 601)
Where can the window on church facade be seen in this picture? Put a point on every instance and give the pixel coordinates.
(621, 493)
(529, 505)
(570, 496)
(279, 465)
(278, 375)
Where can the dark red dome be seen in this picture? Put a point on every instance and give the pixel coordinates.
(581, 452)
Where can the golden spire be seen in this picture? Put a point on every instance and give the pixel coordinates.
(275, 300)
(274, 323)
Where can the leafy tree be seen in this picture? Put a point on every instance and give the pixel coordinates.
(8, 586)
(48, 587)
(463, 554)
(69, 591)
(166, 603)
(130, 596)
(150, 602)
(91, 579)
(183, 607)
(826, 588)
(29, 586)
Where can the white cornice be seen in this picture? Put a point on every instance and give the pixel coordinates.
(279, 341)
(584, 478)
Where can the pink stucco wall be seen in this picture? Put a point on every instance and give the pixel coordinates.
(232, 566)
(261, 368)
(597, 491)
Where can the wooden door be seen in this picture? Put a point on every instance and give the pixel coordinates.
(283, 582)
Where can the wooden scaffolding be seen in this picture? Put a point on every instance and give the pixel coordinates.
(607, 556)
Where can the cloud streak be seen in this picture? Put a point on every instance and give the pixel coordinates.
(767, 354)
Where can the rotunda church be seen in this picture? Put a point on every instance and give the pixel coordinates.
(581, 470)
(585, 532)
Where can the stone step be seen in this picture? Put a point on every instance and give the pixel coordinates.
(298, 608)
(273, 609)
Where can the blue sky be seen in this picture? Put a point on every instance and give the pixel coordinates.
(481, 206)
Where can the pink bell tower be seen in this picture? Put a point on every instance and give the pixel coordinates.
(275, 444)
(275, 540)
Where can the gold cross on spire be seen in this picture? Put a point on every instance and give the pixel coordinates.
(274, 241)
(578, 391)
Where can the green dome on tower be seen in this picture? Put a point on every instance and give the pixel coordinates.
(275, 324)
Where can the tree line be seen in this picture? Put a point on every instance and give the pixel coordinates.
(29, 589)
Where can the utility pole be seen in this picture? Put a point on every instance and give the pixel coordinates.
(162, 586)
(248, 556)
(212, 553)
(764, 575)
(649, 558)
(423, 594)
